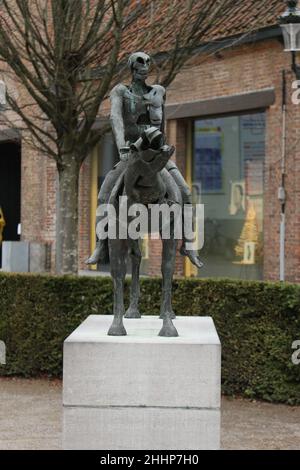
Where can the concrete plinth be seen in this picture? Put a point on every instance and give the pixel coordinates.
(142, 391)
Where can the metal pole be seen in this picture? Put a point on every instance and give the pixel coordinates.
(281, 189)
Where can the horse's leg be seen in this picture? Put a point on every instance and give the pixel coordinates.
(117, 253)
(168, 265)
(162, 312)
(167, 268)
(135, 254)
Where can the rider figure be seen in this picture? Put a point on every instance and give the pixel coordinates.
(134, 109)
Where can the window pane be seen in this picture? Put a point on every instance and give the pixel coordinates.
(107, 157)
(228, 179)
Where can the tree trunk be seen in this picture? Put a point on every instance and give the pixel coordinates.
(67, 217)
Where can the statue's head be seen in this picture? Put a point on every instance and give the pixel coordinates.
(139, 64)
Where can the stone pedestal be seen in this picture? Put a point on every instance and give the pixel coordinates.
(142, 391)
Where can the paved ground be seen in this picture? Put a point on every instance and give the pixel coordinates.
(30, 418)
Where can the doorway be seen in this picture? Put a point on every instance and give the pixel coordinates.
(10, 190)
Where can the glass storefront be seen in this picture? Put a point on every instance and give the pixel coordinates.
(228, 172)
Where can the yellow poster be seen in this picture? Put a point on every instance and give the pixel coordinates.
(2, 224)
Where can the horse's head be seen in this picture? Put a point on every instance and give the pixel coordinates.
(148, 157)
(151, 152)
(151, 139)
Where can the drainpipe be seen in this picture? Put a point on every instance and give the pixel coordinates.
(281, 189)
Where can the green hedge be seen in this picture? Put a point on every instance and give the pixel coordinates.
(257, 323)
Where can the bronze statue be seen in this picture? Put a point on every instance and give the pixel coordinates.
(144, 181)
(137, 119)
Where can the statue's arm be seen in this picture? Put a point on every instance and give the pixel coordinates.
(116, 115)
(163, 121)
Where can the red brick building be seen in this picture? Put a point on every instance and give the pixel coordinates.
(224, 115)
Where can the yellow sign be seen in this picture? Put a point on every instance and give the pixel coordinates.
(2, 224)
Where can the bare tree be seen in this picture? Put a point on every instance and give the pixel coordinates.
(67, 54)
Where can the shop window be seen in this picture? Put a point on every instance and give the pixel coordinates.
(228, 165)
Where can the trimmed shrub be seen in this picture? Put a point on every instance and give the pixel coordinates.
(256, 321)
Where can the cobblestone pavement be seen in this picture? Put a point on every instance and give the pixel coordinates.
(30, 418)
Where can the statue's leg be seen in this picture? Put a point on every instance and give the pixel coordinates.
(117, 254)
(135, 254)
(167, 269)
(100, 252)
(187, 204)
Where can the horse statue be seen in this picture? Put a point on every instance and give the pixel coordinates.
(145, 175)
(144, 181)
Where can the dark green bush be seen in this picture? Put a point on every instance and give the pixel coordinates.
(256, 321)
